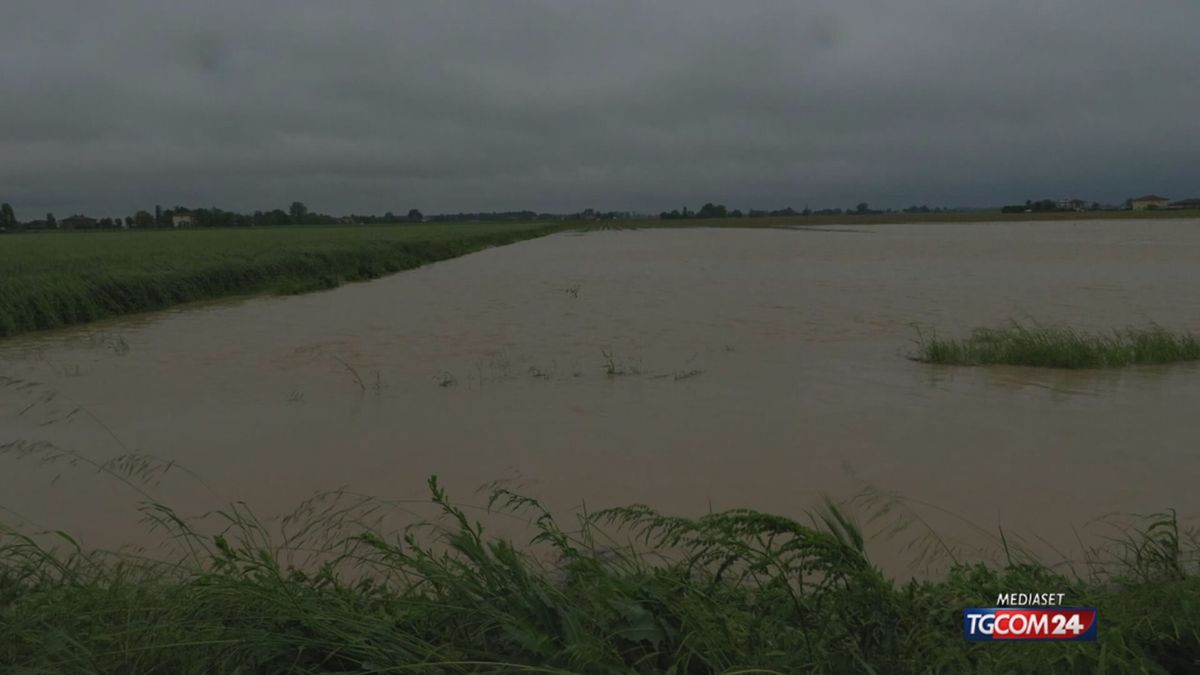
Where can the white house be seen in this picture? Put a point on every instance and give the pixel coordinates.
(182, 220)
(1149, 202)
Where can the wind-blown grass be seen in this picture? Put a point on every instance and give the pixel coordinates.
(1060, 347)
(58, 279)
(628, 590)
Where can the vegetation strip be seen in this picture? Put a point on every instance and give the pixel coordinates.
(55, 280)
(628, 590)
(1059, 347)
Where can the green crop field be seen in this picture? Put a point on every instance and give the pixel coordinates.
(58, 279)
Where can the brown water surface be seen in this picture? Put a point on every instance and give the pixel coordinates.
(749, 368)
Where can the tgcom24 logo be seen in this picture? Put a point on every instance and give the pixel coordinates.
(1030, 617)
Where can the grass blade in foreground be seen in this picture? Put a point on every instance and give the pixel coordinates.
(628, 590)
(1060, 347)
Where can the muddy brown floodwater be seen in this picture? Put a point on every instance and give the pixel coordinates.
(689, 369)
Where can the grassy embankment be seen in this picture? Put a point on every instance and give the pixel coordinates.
(732, 592)
(57, 279)
(1060, 347)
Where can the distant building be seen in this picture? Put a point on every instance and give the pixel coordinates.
(1149, 202)
(182, 220)
(77, 222)
(1186, 204)
(1071, 205)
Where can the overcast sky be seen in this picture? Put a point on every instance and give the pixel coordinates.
(108, 107)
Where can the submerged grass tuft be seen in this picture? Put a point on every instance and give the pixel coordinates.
(1060, 347)
(627, 590)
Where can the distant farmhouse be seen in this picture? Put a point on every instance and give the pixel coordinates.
(182, 220)
(79, 222)
(1149, 202)
(1071, 205)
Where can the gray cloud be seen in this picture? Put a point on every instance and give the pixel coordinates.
(560, 105)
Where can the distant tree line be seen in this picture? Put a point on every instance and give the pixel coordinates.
(593, 214)
(495, 216)
(1050, 205)
(296, 214)
(299, 214)
(710, 210)
(526, 216)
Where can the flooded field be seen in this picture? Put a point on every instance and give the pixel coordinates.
(691, 369)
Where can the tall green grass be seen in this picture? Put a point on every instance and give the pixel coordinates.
(1060, 347)
(59, 279)
(626, 590)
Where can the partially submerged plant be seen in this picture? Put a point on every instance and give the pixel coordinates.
(1059, 347)
(613, 367)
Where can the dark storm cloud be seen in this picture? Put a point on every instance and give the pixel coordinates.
(370, 106)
